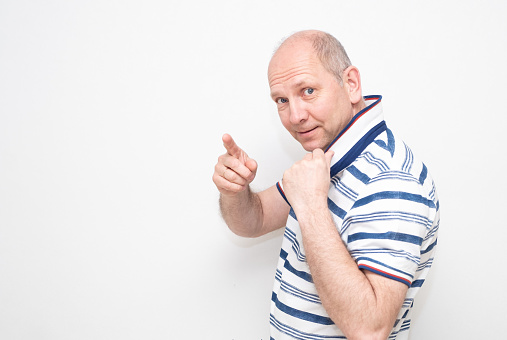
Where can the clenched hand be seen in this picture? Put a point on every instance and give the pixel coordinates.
(306, 183)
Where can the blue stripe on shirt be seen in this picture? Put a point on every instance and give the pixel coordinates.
(430, 247)
(293, 290)
(302, 274)
(390, 235)
(336, 209)
(384, 265)
(393, 195)
(300, 314)
(299, 335)
(358, 148)
(417, 283)
(358, 174)
(424, 174)
(385, 274)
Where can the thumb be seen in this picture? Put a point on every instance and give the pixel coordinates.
(251, 165)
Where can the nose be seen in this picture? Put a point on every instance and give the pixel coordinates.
(298, 112)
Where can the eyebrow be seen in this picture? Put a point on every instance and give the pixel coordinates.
(300, 83)
(274, 95)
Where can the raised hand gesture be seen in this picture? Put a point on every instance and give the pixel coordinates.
(234, 169)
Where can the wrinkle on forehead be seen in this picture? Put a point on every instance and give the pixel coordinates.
(278, 74)
(284, 76)
(292, 58)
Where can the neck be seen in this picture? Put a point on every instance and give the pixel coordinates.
(358, 106)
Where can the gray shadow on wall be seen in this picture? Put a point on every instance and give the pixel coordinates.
(246, 242)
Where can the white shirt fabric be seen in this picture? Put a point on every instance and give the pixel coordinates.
(384, 205)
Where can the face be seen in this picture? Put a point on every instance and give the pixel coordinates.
(312, 105)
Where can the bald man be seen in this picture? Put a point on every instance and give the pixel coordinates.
(360, 212)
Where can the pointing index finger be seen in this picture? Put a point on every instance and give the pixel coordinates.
(230, 145)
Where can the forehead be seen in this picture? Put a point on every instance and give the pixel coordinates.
(294, 64)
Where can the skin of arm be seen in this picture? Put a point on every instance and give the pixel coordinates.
(246, 213)
(364, 305)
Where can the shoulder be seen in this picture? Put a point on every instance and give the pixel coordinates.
(387, 171)
(388, 157)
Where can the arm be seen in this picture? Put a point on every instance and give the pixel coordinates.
(364, 305)
(246, 213)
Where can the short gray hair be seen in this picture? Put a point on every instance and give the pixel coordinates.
(329, 50)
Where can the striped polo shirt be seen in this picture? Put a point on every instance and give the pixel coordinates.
(385, 207)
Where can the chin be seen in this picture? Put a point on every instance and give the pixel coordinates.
(310, 146)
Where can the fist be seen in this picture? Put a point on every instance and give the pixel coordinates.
(234, 170)
(306, 183)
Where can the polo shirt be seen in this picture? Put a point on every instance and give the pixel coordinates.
(385, 207)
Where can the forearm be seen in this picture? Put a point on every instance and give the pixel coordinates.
(345, 291)
(242, 213)
(364, 305)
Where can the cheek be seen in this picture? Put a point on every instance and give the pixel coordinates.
(284, 118)
(322, 111)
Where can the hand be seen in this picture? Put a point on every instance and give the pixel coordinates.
(306, 183)
(234, 170)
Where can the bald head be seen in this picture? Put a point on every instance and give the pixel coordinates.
(328, 49)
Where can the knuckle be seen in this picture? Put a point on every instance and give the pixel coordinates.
(231, 175)
(235, 163)
(231, 187)
(241, 181)
(221, 161)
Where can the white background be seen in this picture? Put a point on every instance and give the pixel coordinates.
(111, 117)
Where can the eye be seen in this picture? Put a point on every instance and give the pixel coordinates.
(308, 91)
(281, 101)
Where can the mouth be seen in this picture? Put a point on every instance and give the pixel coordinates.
(306, 132)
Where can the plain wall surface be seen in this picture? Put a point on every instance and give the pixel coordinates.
(111, 117)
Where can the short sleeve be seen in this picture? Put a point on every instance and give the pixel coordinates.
(387, 225)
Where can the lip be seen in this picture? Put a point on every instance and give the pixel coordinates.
(307, 132)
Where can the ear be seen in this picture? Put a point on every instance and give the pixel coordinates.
(352, 83)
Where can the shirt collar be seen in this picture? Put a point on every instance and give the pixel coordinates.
(357, 128)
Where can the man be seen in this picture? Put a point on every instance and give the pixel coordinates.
(360, 212)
